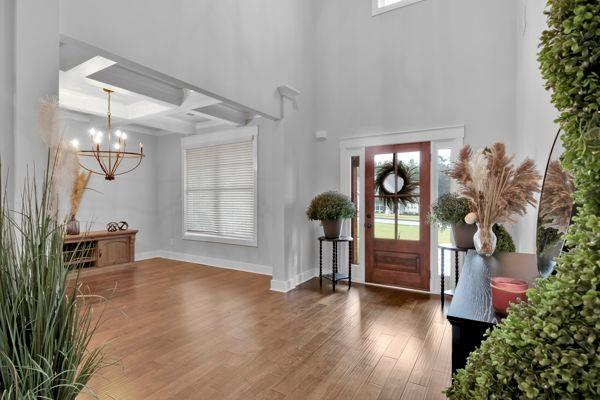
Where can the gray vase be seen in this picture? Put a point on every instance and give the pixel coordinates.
(463, 235)
(332, 228)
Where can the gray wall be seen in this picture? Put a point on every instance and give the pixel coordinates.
(535, 114)
(6, 88)
(36, 77)
(432, 64)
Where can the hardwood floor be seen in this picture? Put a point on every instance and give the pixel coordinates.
(183, 331)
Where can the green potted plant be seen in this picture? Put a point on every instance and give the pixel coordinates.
(331, 208)
(450, 211)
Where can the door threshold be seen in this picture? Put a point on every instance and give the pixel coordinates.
(405, 289)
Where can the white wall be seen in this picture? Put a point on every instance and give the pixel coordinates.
(6, 87)
(132, 197)
(35, 77)
(535, 114)
(431, 64)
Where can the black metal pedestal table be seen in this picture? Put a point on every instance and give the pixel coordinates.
(335, 276)
(456, 250)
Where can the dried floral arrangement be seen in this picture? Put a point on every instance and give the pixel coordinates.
(496, 188)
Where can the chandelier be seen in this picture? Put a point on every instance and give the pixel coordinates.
(110, 157)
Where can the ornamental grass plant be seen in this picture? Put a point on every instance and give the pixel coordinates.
(45, 322)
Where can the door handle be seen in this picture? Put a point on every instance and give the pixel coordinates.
(369, 226)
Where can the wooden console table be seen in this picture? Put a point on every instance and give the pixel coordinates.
(99, 248)
(471, 312)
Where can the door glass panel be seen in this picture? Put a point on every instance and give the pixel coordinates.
(443, 166)
(408, 214)
(408, 221)
(384, 220)
(384, 162)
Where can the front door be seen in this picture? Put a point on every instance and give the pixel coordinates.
(397, 202)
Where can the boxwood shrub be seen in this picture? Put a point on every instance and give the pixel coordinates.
(549, 348)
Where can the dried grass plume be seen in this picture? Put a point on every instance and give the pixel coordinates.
(496, 188)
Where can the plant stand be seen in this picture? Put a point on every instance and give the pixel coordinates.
(335, 276)
(456, 250)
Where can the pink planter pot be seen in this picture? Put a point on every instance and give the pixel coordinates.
(507, 290)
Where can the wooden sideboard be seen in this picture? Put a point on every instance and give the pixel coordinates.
(99, 248)
(471, 312)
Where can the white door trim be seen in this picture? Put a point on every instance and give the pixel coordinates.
(451, 137)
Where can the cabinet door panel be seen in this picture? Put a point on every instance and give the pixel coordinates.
(114, 251)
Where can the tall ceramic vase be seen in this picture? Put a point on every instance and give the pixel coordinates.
(485, 240)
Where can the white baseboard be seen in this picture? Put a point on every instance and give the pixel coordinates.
(147, 255)
(218, 262)
(286, 286)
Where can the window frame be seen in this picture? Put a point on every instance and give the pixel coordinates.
(376, 10)
(218, 138)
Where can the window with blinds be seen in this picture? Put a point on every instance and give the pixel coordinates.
(220, 187)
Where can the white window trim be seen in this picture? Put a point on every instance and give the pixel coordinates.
(223, 137)
(376, 10)
(450, 137)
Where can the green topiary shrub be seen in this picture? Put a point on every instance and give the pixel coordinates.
(549, 348)
(449, 209)
(505, 242)
(330, 205)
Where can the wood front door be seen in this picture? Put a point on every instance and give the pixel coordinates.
(397, 234)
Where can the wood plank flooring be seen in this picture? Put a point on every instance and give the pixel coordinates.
(176, 330)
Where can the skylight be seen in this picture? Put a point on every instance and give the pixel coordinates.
(381, 6)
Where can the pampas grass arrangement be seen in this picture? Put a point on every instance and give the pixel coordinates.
(496, 189)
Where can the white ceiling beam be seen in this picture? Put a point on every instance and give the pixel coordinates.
(220, 111)
(127, 79)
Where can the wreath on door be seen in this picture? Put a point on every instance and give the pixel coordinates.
(404, 191)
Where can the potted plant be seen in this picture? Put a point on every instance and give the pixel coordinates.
(331, 208)
(449, 211)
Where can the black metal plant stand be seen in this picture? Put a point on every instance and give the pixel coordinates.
(335, 276)
(456, 250)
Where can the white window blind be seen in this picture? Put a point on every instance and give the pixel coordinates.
(220, 190)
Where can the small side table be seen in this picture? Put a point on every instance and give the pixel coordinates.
(456, 250)
(334, 277)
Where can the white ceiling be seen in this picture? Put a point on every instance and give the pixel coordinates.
(139, 98)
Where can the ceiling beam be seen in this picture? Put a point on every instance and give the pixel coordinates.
(128, 79)
(225, 113)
